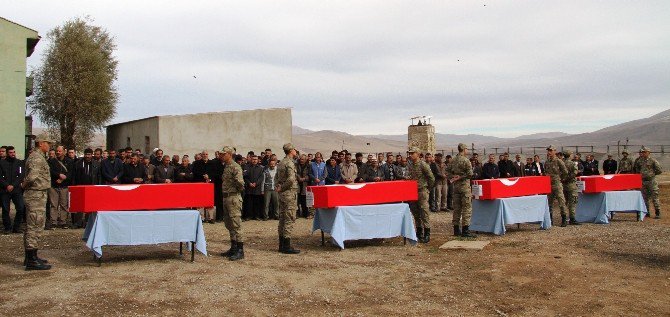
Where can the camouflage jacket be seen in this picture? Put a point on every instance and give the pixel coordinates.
(286, 175)
(625, 166)
(421, 173)
(570, 181)
(38, 176)
(232, 178)
(647, 167)
(555, 168)
(461, 166)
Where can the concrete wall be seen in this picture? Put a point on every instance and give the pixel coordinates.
(246, 130)
(13, 52)
(137, 131)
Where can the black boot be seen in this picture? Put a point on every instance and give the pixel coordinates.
(419, 234)
(426, 235)
(43, 261)
(232, 250)
(281, 243)
(466, 233)
(239, 252)
(658, 214)
(457, 231)
(564, 222)
(551, 217)
(286, 247)
(32, 263)
(574, 222)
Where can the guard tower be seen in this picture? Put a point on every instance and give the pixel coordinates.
(421, 134)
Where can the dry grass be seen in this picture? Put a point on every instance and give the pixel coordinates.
(617, 269)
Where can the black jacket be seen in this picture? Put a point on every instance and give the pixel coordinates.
(12, 172)
(490, 170)
(111, 169)
(609, 166)
(506, 168)
(130, 172)
(87, 173)
(254, 174)
(199, 169)
(215, 171)
(57, 167)
(186, 178)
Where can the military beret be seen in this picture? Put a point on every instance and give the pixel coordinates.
(228, 149)
(644, 149)
(43, 137)
(551, 148)
(462, 146)
(288, 146)
(414, 149)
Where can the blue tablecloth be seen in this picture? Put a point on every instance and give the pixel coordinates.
(366, 222)
(144, 227)
(493, 215)
(597, 207)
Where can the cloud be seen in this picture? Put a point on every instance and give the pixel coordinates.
(504, 69)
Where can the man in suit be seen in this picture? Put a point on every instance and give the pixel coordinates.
(490, 170)
(164, 174)
(538, 165)
(183, 173)
(506, 167)
(518, 166)
(112, 169)
(86, 172)
(61, 169)
(253, 180)
(12, 172)
(134, 172)
(609, 165)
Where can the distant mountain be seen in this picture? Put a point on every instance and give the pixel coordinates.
(546, 135)
(298, 130)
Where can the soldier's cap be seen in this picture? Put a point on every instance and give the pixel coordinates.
(43, 137)
(228, 149)
(288, 146)
(624, 151)
(551, 148)
(644, 149)
(413, 149)
(462, 146)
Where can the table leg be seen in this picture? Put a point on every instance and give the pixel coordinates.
(404, 241)
(192, 251)
(323, 239)
(180, 249)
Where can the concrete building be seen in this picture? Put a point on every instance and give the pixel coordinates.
(246, 130)
(421, 135)
(17, 42)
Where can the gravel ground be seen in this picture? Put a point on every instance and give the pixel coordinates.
(618, 269)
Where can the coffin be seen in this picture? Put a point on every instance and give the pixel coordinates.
(606, 183)
(331, 196)
(141, 197)
(488, 189)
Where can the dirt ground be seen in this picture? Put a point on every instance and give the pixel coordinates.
(606, 270)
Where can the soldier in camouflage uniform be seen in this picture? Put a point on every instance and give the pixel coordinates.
(625, 164)
(555, 168)
(648, 167)
(287, 187)
(420, 171)
(570, 186)
(459, 173)
(232, 188)
(35, 186)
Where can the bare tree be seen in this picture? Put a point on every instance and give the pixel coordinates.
(75, 93)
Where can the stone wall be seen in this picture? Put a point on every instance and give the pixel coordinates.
(421, 136)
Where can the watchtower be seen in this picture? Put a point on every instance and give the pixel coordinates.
(421, 134)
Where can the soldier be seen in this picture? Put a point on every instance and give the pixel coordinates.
(287, 187)
(625, 164)
(460, 172)
(570, 186)
(555, 168)
(420, 171)
(232, 184)
(35, 186)
(648, 167)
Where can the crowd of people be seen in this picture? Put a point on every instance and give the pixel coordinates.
(443, 180)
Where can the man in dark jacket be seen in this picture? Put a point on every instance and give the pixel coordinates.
(112, 169)
(183, 172)
(518, 166)
(506, 167)
(86, 172)
(164, 173)
(134, 172)
(214, 172)
(12, 172)
(490, 169)
(254, 189)
(61, 169)
(609, 165)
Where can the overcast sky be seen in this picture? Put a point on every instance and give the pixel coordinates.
(501, 68)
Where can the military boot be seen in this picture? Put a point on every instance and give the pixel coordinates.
(239, 252)
(564, 221)
(286, 247)
(457, 231)
(232, 250)
(419, 234)
(466, 233)
(32, 263)
(44, 261)
(658, 214)
(574, 222)
(551, 217)
(426, 235)
(281, 243)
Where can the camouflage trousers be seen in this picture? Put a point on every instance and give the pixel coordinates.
(288, 205)
(232, 216)
(462, 206)
(58, 199)
(36, 207)
(207, 213)
(557, 195)
(650, 191)
(570, 195)
(420, 209)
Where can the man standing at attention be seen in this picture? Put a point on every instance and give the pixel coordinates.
(287, 187)
(459, 172)
(420, 171)
(648, 167)
(555, 169)
(625, 164)
(35, 186)
(232, 183)
(570, 186)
